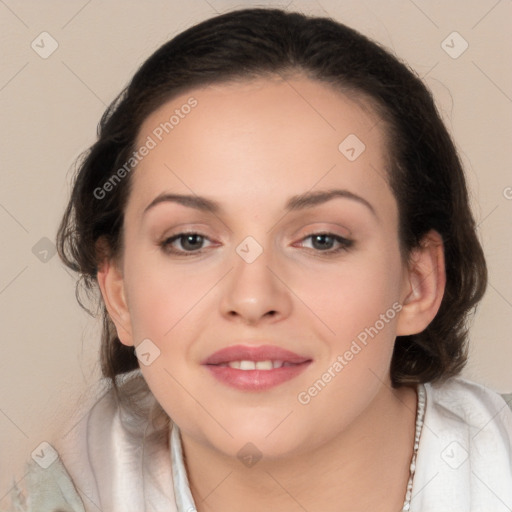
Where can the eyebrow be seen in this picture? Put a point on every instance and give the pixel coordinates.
(294, 203)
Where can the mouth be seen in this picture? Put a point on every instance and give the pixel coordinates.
(249, 368)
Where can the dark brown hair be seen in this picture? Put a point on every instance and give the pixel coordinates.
(425, 172)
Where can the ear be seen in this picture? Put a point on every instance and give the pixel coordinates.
(111, 283)
(424, 285)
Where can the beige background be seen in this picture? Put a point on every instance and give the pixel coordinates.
(50, 109)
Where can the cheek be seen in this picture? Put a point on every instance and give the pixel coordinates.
(159, 295)
(353, 294)
(361, 307)
(165, 308)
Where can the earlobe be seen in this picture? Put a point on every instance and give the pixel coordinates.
(425, 285)
(111, 283)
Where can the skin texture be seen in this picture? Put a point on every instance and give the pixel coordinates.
(251, 146)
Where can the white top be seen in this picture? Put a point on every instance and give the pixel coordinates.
(119, 462)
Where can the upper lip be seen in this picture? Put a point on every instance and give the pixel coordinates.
(252, 353)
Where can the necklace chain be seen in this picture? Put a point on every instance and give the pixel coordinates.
(420, 414)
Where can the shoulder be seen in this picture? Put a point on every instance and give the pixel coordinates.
(58, 475)
(115, 457)
(464, 460)
(471, 409)
(123, 444)
(469, 401)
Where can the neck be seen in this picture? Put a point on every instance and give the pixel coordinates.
(363, 468)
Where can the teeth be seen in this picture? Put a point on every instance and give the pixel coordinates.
(247, 365)
(264, 365)
(257, 365)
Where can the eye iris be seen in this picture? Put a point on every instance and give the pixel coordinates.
(322, 239)
(194, 238)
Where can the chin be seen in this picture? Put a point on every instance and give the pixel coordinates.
(256, 440)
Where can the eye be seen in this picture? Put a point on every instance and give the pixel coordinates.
(191, 244)
(326, 243)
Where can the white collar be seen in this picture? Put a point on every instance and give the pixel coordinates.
(182, 494)
(118, 464)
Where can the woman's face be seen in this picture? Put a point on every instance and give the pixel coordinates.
(253, 273)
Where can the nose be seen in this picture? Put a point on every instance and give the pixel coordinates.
(256, 291)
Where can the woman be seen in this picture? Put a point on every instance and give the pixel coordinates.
(278, 223)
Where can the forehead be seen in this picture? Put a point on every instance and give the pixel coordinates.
(262, 139)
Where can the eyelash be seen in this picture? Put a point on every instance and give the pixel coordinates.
(345, 244)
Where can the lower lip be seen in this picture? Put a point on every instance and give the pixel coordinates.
(256, 380)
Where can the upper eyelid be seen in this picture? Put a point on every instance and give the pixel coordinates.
(190, 227)
(318, 231)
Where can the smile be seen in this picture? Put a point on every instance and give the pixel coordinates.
(255, 368)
